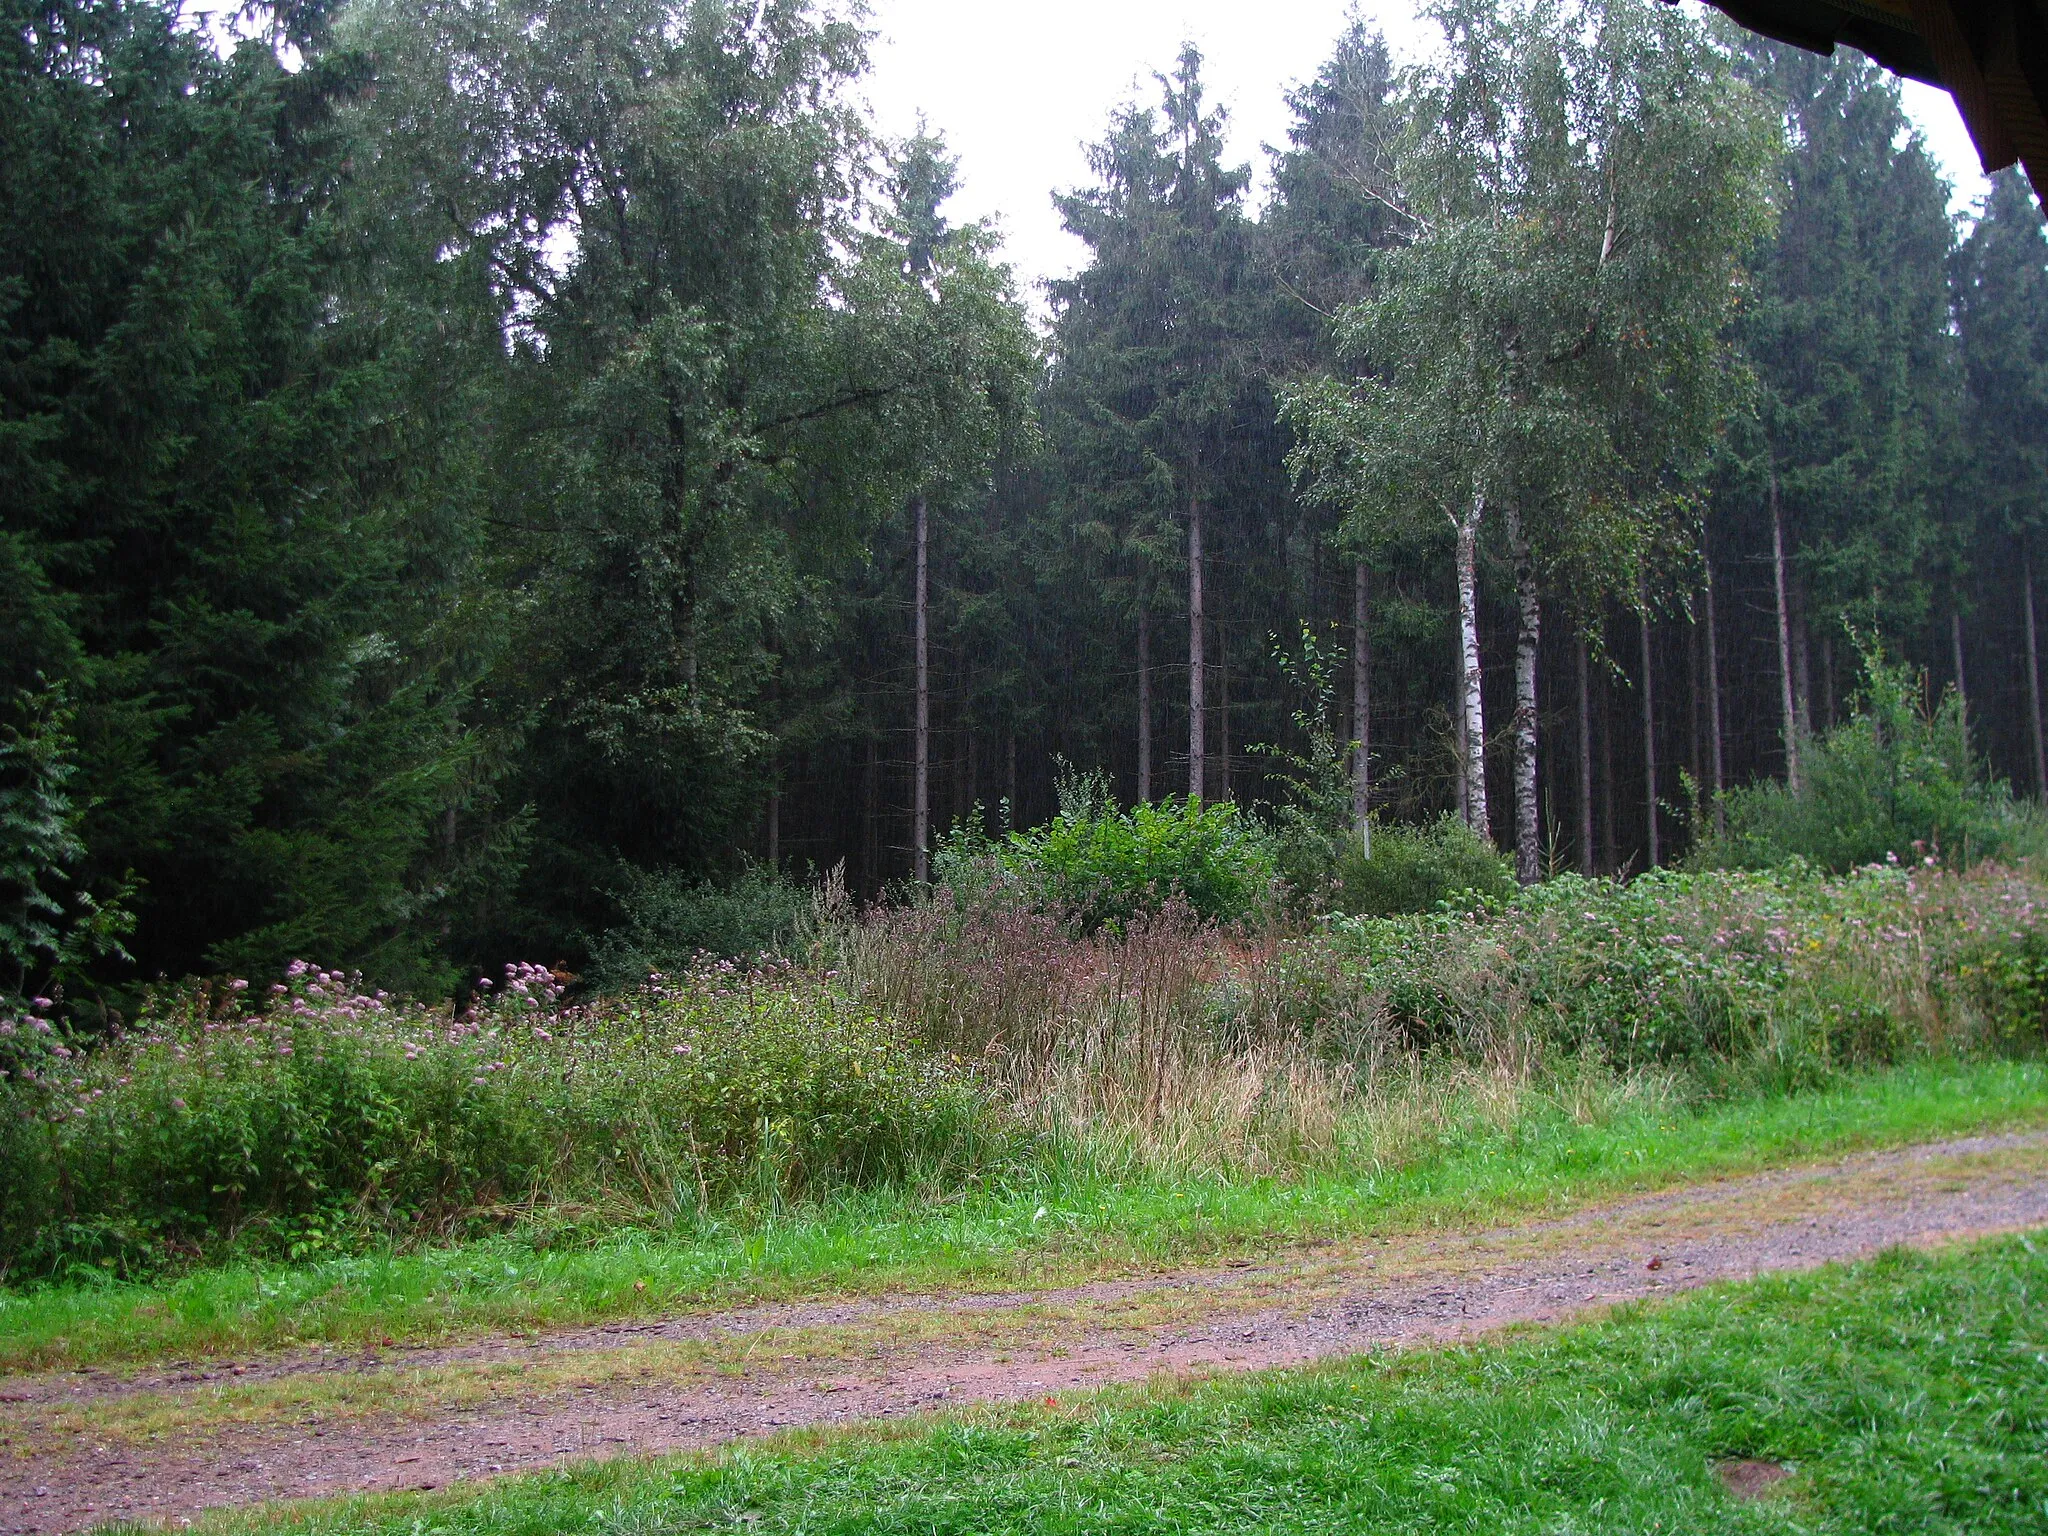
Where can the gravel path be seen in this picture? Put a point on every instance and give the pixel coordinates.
(79, 1449)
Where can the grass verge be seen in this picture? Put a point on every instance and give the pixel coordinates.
(1909, 1393)
(1068, 1225)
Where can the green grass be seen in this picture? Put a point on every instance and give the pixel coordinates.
(1907, 1394)
(1063, 1226)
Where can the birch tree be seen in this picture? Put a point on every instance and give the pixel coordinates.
(1543, 354)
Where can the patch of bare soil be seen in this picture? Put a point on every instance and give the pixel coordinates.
(79, 1449)
(1751, 1480)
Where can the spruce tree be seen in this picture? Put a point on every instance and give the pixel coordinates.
(2001, 307)
(1153, 335)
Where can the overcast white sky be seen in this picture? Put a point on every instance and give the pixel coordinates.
(1018, 85)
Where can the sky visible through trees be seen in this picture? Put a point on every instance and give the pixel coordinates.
(931, 57)
(527, 451)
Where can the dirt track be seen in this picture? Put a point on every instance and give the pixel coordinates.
(79, 1449)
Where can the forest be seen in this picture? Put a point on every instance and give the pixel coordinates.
(483, 476)
(674, 857)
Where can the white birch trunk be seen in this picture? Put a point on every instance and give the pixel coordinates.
(1528, 632)
(1472, 708)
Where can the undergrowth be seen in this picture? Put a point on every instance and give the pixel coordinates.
(1485, 1159)
(942, 1050)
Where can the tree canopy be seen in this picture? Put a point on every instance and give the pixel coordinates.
(474, 472)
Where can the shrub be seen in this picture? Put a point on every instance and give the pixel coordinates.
(1784, 970)
(1110, 865)
(1097, 864)
(669, 920)
(1896, 779)
(1414, 869)
(1313, 822)
(325, 1115)
(51, 928)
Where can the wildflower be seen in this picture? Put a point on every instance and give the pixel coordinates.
(177, 1103)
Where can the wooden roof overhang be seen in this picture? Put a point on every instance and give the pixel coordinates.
(1990, 55)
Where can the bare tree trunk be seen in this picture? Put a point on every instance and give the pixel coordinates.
(1827, 680)
(1010, 780)
(1955, 642)
(1695, 702)
(1463, 796)
(1715, 766)
(970, 798)
(1790, 715)
(1471, 704)
(775, 828)
(1223, 702)
(1649, 741)
(1528, 632)
(871, 828)
(2034, 675)
(1802, 667)
(1361, 703)
(1144, 706)
(1197, 694)
(920, 804)
(1610, 846)
(1585, 764)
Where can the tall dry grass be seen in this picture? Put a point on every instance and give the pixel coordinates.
(1175, 1046)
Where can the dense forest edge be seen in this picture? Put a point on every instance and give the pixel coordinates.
(579, 660)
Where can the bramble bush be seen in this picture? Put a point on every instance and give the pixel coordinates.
(1780, 971)
(321, 1115)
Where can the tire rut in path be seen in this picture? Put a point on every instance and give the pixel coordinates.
(82, 1449)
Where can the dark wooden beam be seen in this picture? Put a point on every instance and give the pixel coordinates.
(1990, 55)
